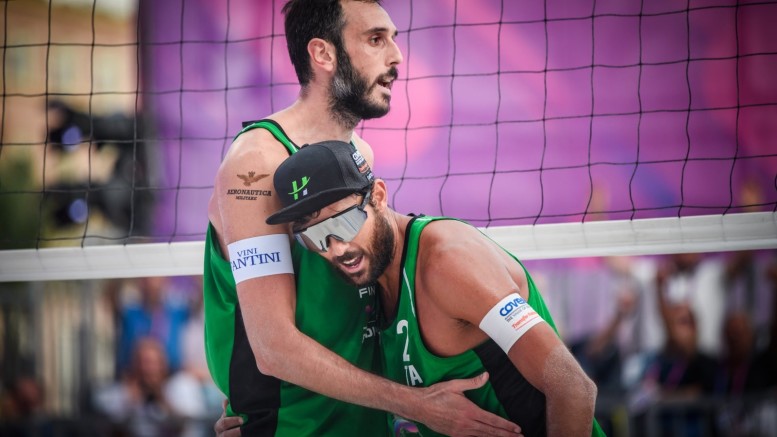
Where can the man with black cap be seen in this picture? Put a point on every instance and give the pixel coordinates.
(453, 303)
(278, 347)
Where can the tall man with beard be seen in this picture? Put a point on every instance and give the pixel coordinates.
(284, 351)
(453, 303)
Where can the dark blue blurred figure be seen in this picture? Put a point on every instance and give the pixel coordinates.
(159, 313)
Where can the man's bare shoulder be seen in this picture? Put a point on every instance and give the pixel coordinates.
(449, 239)
(255, 147)
(461, 270)
(243, 195)
(447, 251)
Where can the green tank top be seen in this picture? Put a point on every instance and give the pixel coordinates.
(407, 361)
(339, 316)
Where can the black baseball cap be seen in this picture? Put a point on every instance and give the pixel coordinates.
(316, 176)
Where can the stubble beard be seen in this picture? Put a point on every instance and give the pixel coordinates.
(349, 98)
(382, 253)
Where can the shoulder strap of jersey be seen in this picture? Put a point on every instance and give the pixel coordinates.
(413, 232)
(274, 128)
(409, 259)
(412, 238)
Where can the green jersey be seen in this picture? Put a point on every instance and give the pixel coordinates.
(408, 361)
(339, 316)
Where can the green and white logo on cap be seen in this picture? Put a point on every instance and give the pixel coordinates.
(296, 190)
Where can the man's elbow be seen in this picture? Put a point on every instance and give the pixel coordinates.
(270, 359)
(574, 389)
(566, 382)
(266, 364)
(587, 391)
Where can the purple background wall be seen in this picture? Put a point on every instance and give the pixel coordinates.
(492, 122)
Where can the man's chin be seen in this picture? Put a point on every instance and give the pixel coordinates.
(376, 112)
(376, 103)
(353, 279)
(360, 280)
(359, 283)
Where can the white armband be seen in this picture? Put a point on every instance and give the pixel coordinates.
(260, 256)
(508, 320)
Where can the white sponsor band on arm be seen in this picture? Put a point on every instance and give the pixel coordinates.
(508, 320)
(260, 256)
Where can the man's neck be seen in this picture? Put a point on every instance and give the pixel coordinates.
(389, 282)
(310, 119)
(306, 125)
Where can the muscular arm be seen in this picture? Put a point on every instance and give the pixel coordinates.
(268, 307)
(470, 275)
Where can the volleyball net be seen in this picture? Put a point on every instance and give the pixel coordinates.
(561, 128)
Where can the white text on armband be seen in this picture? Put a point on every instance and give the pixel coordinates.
(508, 320)
(260, 256)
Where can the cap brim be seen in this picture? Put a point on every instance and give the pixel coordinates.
(309, 205)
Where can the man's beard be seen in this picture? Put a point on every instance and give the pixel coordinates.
(349, 96)
(382, 253)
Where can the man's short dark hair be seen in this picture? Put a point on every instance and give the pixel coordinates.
(308, 19)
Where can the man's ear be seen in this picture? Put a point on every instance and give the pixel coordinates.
(380, 194)
(322, 55)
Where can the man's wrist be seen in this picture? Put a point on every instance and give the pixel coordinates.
(405, 401)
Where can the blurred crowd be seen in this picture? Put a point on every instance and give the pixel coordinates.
(682, 344)
(161, 387)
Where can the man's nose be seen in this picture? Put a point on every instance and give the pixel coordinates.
(395, 55)
(336, 247)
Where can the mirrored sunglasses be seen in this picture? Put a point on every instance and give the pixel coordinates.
(344, 226)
